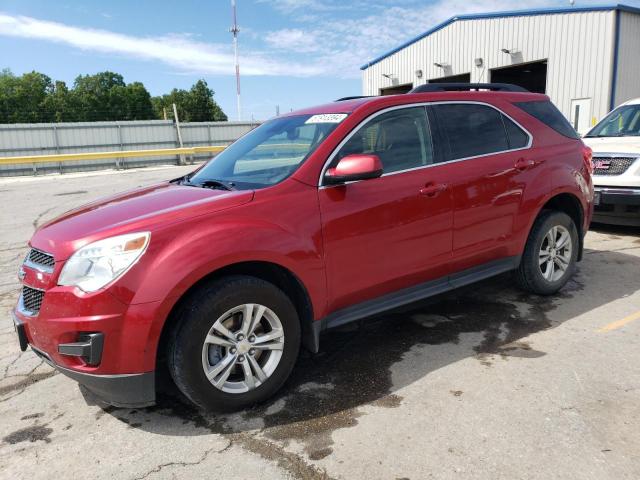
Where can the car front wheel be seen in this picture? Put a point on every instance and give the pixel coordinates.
(236, 343)
(550, 255)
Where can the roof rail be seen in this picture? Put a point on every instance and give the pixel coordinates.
(461, 87)
(355, 97)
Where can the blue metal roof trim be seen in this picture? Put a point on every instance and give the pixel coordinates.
(616, 54)
(513, 13)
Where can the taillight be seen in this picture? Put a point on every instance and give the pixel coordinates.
(587, 156)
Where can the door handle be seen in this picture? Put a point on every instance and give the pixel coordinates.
(433, 189)
(524, 164)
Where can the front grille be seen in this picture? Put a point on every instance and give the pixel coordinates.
(31, 300)
(612, 165)
(40, 258)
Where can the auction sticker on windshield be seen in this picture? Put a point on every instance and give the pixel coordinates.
(327, 118)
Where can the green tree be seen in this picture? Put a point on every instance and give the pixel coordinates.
(164, 104)
(60, 104)
(138, 102)
(194, 105)
(22, 99)
(99, 97)
(34, 97)
(201, 107)
(8, 105)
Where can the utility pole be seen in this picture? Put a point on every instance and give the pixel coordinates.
(235, 30)
(181, 160)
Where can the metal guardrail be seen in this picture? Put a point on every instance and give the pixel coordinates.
(70, 157)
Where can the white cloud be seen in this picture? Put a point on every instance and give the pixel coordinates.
(291, 6)
(324, 38)
(294, 39)
(178, 51)
(340, 46)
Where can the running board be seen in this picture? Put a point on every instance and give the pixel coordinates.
(412, 294)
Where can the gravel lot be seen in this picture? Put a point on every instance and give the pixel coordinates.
(483, 383)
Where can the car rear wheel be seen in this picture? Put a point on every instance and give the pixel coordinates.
(550, 255)
(236, 343)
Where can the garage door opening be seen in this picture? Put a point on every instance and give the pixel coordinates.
(532, 76)
(397, 89)
(462, 78)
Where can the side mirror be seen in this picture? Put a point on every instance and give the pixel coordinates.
(354, 167)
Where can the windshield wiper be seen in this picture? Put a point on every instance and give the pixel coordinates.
(181, 180)
(214, 184)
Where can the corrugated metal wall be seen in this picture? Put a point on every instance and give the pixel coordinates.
(628, 81)
(51, 138)
(578, 47)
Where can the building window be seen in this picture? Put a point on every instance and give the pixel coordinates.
(397, 89)
(462, 78)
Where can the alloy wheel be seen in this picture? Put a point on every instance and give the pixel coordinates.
(555, 253)
(243, 348)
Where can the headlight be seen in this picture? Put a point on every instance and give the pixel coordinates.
(99, 263)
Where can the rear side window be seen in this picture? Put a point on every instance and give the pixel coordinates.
(471, 129)
(547, 113)
(517, 137)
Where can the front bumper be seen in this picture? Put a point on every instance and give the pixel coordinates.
(68, 316)
(617, 205)
(130, 390)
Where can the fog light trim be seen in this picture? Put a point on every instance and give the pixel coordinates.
(89, 348)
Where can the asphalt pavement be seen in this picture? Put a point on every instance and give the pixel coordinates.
(482, 383)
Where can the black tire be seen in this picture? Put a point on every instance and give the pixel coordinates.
(197, 315)
(529, 274)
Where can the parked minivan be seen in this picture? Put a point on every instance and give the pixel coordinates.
(314, 219)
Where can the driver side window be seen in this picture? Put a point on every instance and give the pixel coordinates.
(400, 138)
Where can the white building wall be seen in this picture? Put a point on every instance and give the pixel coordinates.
(578, 46)
(628, 79)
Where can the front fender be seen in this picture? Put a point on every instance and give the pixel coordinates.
(181, 254)
(184, 255)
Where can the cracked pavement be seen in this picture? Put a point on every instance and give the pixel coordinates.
(482, 383)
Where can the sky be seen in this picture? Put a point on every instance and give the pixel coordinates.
(293, 53)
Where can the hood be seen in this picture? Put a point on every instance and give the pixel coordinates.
(139, 210)
(628, 145)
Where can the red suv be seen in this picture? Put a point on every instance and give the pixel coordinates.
(312, 220)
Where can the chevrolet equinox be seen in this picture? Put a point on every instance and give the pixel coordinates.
(314, 219)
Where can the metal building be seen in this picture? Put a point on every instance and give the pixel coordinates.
(587, 59)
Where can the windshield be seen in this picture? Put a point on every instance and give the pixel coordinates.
(622, 122)
(270, 153)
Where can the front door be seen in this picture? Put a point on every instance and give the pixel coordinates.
(388, 233)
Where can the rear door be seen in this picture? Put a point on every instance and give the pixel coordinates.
(492, 162)
(388, 233)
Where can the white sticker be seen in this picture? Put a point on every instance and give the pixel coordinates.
(327, 118)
